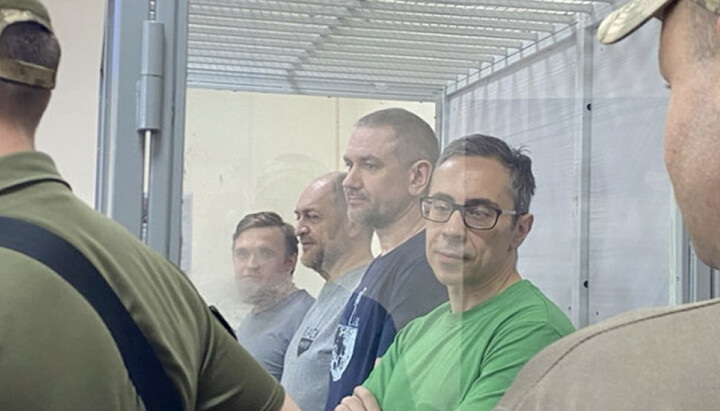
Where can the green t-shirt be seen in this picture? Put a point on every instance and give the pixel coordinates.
(466, 361)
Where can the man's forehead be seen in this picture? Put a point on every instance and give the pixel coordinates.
(379, 130)
(255, 246)
(463, 173)
(271, 234)
(456, 171)
(362, 154)
(372, 139)
(317, 194)
(471, 163)
(311, 206)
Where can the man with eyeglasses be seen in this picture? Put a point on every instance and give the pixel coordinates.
(660, 358)
(464, 354)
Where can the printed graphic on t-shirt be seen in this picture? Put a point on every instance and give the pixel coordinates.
(345, 341)
(307, 338)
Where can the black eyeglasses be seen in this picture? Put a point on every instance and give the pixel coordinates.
(478, 216)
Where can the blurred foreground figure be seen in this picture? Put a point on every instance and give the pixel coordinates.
(91, 318)
(668, 358)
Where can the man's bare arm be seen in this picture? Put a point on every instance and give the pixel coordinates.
(361, 400)
(289, 404)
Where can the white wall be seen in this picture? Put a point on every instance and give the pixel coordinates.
(248, 152)
(68, 131)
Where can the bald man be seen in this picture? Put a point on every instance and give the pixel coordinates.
(339, 250)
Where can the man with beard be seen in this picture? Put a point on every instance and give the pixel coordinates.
(390, 156)
(464, 354)
(264, 257)
(338, 250)
(663, 358)
(90, 317)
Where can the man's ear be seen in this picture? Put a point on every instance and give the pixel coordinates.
(420, 172)
(522, 228)
(290, 263)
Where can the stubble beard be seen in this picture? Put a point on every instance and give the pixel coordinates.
(248, 290)
(256, 293)
(369, 217)
(314, 261)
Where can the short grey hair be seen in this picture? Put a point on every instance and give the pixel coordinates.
(516, 161)
(415, 138)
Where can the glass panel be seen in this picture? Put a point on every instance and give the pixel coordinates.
(250, 152)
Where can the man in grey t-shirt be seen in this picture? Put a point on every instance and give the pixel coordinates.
(339, 250)
(264, 257)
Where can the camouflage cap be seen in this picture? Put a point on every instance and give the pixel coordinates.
(625, 20)
(19, 11)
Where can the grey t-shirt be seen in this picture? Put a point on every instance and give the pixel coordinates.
(266, 335)
(307, 360)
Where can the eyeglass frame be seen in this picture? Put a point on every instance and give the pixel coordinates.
(461, 209)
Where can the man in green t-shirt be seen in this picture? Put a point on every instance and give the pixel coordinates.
(464, 354)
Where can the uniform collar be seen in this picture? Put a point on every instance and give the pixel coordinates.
(27, 167)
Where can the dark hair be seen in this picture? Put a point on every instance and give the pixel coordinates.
(31, 43)
(519, 164)
(415, 138)
(268, 219)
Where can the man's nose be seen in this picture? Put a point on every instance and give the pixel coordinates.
(301, 230)
(351, 180)
(455, 225)
(253, 261)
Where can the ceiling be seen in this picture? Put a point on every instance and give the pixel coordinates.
(397, 49)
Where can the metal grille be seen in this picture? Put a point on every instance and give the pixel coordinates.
(399, 49)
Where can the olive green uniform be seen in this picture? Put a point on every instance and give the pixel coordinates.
(55, 351)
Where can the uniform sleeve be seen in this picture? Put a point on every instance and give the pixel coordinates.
(232, 380)
(507, 354)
